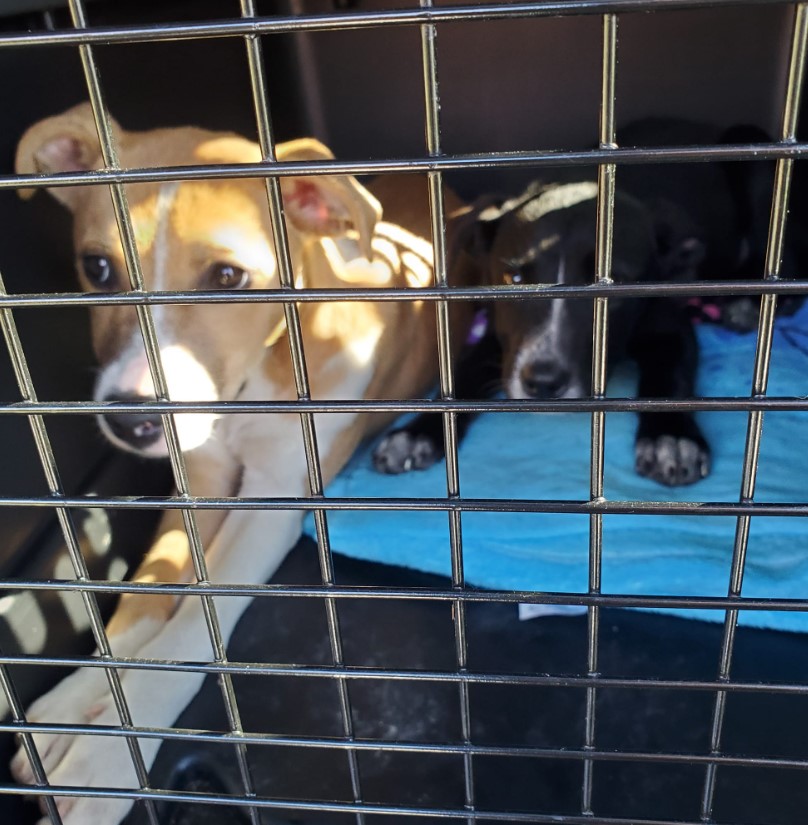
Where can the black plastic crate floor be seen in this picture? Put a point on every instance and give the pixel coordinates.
(419, 636)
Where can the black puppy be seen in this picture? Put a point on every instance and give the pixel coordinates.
(547, 236)
(709, 221)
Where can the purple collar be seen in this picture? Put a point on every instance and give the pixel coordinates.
(478, 328)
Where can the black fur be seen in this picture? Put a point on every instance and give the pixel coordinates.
(545, 346)
(672, 222)
(728, 204)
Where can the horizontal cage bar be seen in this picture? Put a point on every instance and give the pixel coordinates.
(613, 600)
(488, 160)
(488, 293)
(337, 807)
(392, 674)
(468, 505)
(558, 405)
(357, 20)
(271, 739)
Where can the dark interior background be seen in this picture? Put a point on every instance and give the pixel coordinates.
(526, 84)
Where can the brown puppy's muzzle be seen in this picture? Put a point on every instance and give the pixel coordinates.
(138, 430)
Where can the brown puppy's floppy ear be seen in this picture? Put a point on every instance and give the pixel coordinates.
(63, 143)
(327, 204)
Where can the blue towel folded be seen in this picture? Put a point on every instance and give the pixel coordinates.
(547, 456)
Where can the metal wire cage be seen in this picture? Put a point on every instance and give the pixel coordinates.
(434, 163)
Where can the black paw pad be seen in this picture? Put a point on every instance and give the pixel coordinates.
(672, 460)
(402, 451)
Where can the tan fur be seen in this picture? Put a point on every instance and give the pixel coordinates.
(353, 349)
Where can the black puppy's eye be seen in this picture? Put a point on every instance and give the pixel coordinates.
(227, 276)
(100, 271)
(513, 277)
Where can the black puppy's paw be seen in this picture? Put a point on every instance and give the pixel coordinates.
(402, 451)
(672, 460)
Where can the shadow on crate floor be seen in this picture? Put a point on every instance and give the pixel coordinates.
(412, 635)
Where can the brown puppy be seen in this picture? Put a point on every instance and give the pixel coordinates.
(208, 235)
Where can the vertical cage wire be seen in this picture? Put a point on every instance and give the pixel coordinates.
(6, 683)
(146, 323)
(447, 390)
(266, 137)
(763, 351)
(16, 708)
(47, 459)
(28, 744)
(603, 275)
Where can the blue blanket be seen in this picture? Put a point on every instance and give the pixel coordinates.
(547, 456)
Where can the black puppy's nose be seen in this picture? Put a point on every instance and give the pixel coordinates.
(543, 379)
(140, 430)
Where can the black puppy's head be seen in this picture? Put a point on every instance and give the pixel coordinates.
(547, 236)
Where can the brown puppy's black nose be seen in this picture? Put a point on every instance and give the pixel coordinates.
(140, 430)
(543, 379)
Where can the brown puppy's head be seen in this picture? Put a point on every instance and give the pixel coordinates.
(190, 236)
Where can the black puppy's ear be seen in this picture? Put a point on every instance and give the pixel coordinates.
(476, 225)
(751, 184)
(473, 228)
(489, 213)
(471, 232)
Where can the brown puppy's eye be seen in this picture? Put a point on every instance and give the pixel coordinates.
(512, 278)
(228, 276)
(100, 271)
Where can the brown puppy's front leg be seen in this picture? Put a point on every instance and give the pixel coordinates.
(138, 617)
(247, 549)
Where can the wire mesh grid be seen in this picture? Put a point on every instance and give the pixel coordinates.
(609, 157)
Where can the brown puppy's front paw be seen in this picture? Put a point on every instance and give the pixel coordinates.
(672, 460)
(72, 701)
(402, 451)
(94, 762)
